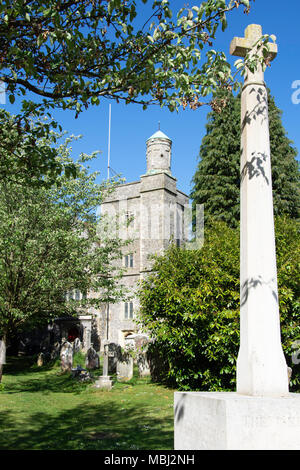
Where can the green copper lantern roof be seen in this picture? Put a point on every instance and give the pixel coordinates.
(159, 135)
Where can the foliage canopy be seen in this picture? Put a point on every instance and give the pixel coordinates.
(73, 52)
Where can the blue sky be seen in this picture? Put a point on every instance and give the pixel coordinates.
(131, 126)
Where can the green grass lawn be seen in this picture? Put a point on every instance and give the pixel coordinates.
(40, 408)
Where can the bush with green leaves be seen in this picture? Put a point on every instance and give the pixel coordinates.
(189, 305)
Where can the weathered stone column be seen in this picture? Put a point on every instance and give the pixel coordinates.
(104, 380)
(261, 366)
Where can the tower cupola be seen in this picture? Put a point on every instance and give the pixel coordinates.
(159, 153)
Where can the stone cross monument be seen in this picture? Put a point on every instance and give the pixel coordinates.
(261, 414)
(261, 366)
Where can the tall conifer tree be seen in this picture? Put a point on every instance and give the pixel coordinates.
(217, 177)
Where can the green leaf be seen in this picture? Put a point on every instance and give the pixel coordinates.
(245, 2)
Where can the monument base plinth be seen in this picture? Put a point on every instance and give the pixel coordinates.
(229, 421)
(104, 381)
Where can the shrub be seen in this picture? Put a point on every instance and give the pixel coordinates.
(190, 306)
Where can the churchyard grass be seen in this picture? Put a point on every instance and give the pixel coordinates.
(43, 409)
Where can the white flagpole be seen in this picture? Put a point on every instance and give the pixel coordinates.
(108, 150)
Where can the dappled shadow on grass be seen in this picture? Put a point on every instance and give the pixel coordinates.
(21, 365)
(43, 409)
(49, 378)
(107, 426)
(21, 374)
(51, 383)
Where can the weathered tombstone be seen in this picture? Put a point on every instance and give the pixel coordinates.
(125, 369)
(40, 359)
(76, 345)
(92, 359)
(66, 357)
(86, 322)
(143, 364)
(138, 343)
(55, 350)
(261, 414)
(125, 362)
(114, 351)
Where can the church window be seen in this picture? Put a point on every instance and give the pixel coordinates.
(128, 310)
(77, 294)
(129, 261)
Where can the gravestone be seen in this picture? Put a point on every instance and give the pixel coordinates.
(138, 343)
(55, 350)
(125, 360)
(143, 364)
(66, 357)
(40, 359)
(86, 323)
(92, 359)
(125, 368)
(76, 345)
(261, 414)
(114, 351)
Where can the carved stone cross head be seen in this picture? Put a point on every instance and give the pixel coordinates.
(241, 46)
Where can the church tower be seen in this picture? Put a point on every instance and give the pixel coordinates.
(157, 209)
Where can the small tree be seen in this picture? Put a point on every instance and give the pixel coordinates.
(190, 307)
(50, 244)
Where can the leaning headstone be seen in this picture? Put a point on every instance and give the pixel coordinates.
(66, 357)
(92, 359)
(76, 345)
(55, 351)
(261, 414)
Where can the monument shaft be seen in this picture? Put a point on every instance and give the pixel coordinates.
(261, 366)
(261, 414)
